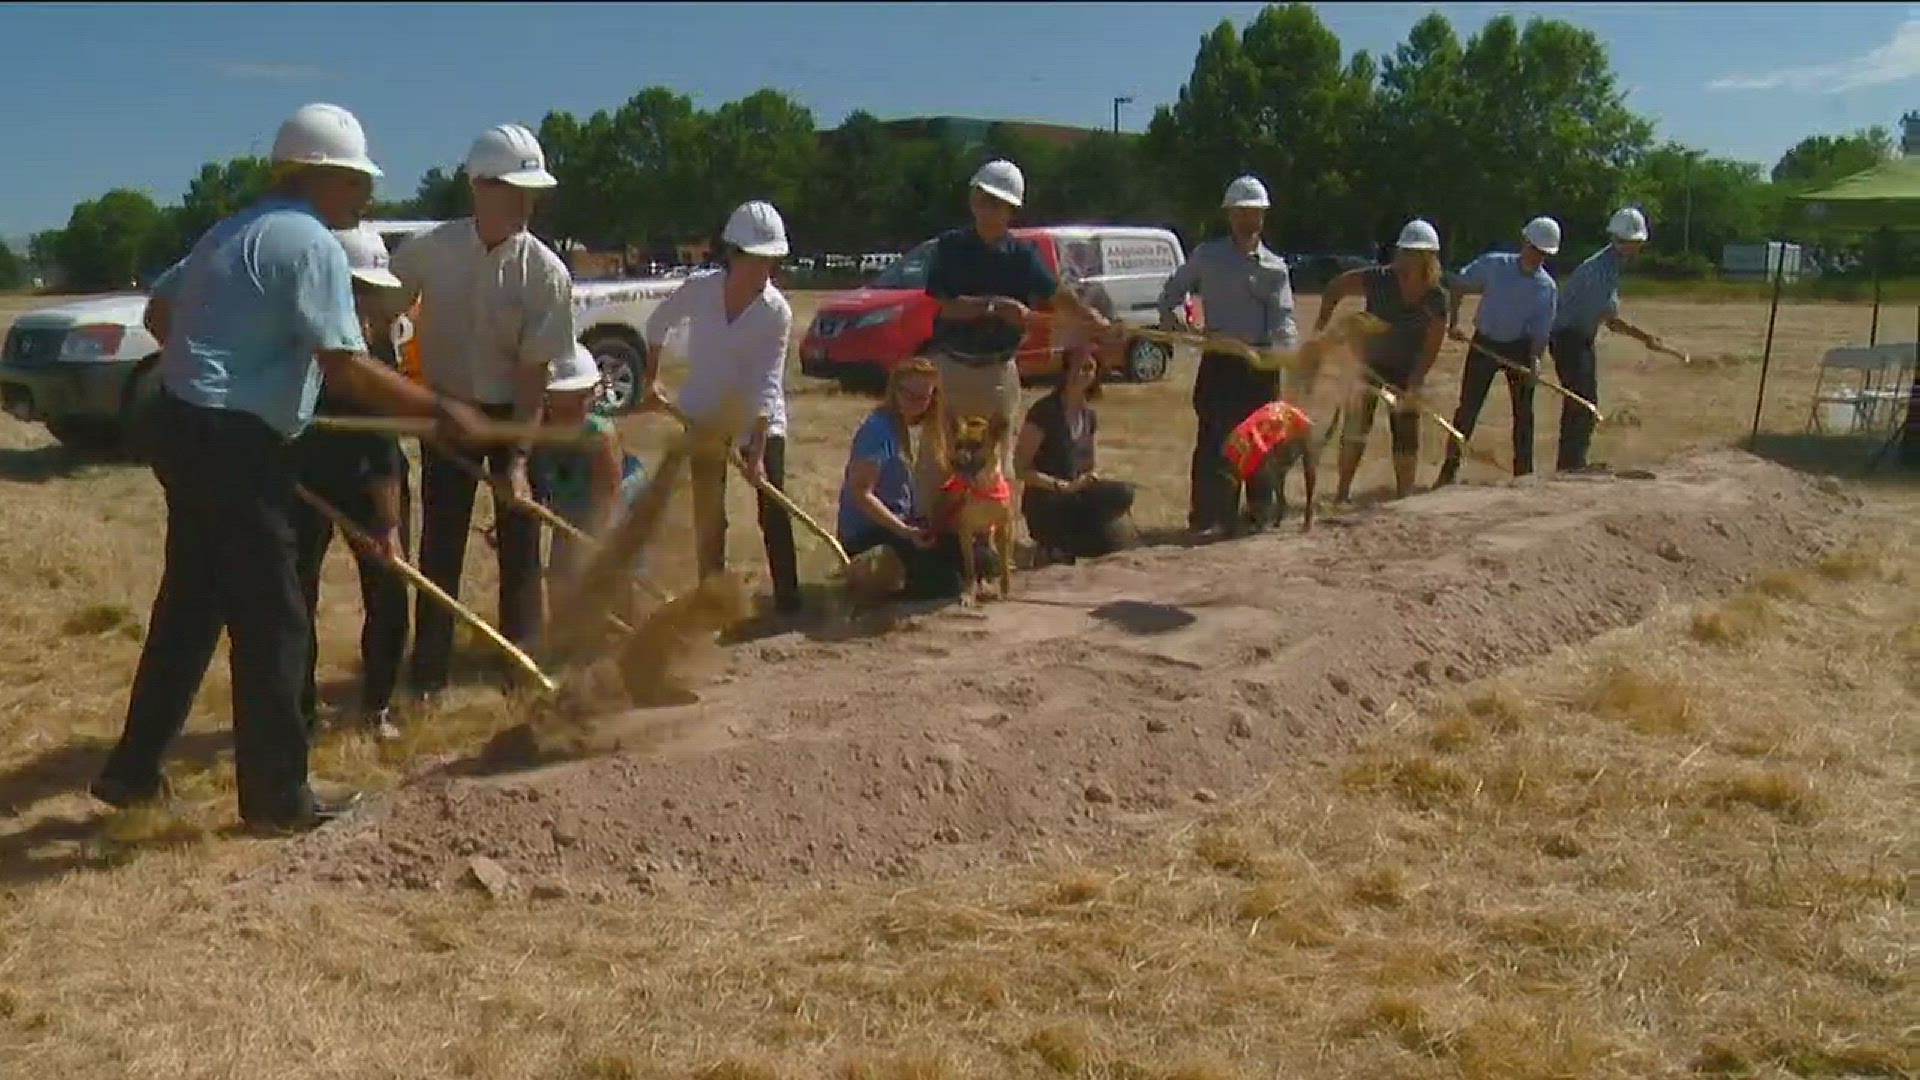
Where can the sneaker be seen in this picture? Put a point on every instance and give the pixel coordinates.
(125, 795)
(315, 813)
(380, 725)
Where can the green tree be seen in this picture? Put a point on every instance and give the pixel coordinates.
(111, 241)
(763, 147)
(13, 270)
(852, 195)
(220, 190)
(443, 196)
(1697, 204)
(1819, 158)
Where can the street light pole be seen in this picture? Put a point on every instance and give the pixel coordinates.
(1117, 102)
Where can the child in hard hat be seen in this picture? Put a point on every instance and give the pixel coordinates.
(365, 477)
(589, 481)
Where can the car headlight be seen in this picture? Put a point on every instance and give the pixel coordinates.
(84, 343)
(878, 317)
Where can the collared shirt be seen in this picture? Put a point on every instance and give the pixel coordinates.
(746, 357)
(962, 264)
(1248, 297)
(1591, 294)
(1516, 304)
(257, 296)
(484, 315)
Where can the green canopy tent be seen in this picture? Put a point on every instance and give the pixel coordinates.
(1885, 197)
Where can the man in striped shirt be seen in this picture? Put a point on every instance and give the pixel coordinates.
(1590, 299)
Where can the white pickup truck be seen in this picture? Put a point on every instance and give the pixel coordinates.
(80, 367)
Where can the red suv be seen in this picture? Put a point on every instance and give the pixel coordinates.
(857, 337)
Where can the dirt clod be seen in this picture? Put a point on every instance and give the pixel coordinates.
(490, 877)
(1099, 792)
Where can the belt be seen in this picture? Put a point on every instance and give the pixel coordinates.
(976, 360)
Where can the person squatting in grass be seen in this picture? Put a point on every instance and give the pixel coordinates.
(364, 476)
(250, 319)
(1246, 294)
(880, 502)
(1511, 324)
(495, 312)
(1408, 296)
(738, 324)
(1072, 512)
(1589, 300)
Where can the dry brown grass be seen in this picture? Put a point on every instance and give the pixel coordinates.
(1714, 881)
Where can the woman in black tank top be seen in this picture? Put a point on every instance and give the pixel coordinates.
(1071, 512)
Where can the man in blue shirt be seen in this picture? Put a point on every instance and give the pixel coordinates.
(1512, 324)
(1590, 299)
(988, 284)
(244, 317)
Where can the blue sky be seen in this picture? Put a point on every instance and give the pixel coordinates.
(139, 95)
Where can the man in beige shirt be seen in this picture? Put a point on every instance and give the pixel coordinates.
(496, 307)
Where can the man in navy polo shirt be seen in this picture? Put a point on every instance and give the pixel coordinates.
(988, 284)
(244, 317)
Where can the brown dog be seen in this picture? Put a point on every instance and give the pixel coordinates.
(979, 501)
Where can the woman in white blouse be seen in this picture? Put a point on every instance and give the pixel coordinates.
(736, 348)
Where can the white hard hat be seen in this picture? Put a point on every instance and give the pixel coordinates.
(511, 153)
(367, 255)
(322, 134)
(756, 229)
(576, 371)
(1543, 233)
(1001, 179)
(1627, 224)
(1417, 235)
(1246, 191)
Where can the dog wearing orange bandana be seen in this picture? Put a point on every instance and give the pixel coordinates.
(979, 500)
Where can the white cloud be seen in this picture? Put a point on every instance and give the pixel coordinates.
(1897, 60)
(266, 70)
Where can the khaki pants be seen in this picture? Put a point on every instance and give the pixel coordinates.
(967, 390)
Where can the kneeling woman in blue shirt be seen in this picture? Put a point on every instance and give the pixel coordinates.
(878, 498)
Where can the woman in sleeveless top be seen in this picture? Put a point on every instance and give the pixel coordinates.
(1408, 296)
(1071, 511)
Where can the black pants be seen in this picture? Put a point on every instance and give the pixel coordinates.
(446, 501)
(935, 573)
(1403, 427)
(1574, 362)
(776, 528)
(1474, 384)
(230, 564)
(1084, 524)
(383, 593)
(1226, 391)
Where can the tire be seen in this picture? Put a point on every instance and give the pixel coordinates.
(84, 432)
(620, 366)
(1147, 361)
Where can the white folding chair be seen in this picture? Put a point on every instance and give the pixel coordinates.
(1860, 388)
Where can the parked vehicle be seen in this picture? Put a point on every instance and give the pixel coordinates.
(83, 367)
(857, 337)
(80, 368)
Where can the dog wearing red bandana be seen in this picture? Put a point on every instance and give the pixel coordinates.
(979, 500)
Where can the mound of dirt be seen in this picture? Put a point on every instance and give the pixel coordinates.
(1105, 699)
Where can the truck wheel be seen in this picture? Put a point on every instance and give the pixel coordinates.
(1147, 360)
(620, 366)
